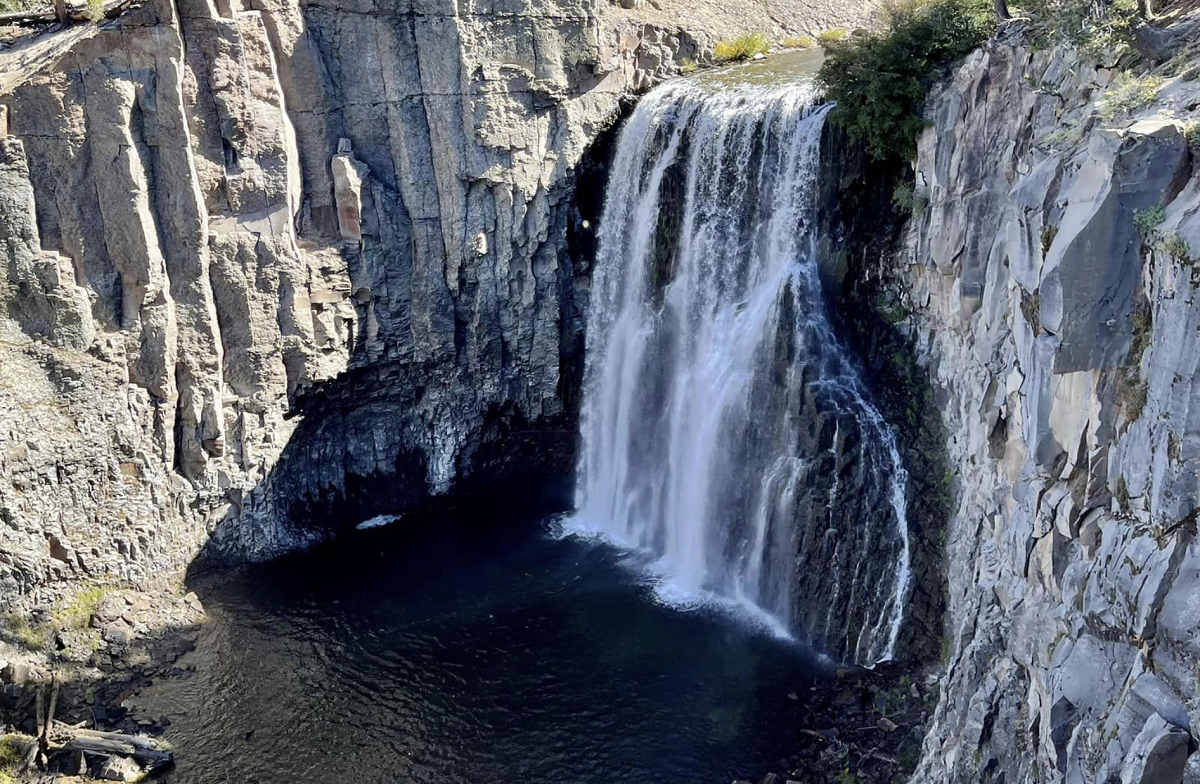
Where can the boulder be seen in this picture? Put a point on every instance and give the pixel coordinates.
(118, 633)
(110, 609)
(120, 769)
(1158, 755)
(16, 673)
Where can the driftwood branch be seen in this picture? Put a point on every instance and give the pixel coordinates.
(122, 746)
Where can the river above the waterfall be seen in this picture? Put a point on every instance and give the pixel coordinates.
(506, 655)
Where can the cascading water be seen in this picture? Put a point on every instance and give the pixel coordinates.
(724, 431)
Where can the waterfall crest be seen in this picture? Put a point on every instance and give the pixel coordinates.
(724, 430)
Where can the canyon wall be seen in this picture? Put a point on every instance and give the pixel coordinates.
(1062, 343)
(270, 268)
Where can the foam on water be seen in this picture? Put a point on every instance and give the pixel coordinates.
(658, 574)
(377, 522)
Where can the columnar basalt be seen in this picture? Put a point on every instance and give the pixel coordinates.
(273, 267)
(1062, 343)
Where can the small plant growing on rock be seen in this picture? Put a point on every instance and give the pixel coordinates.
(1048, 235)
(801, 42)
(1191, 134)
(1178, 249)
(1121, 495)
(1063, 138)
(76, 611)
(1031, 309)
(12, 754)
(20, 631)
(846, 777)
(1147, 221)
(1127, 96)
(1135, 400)
(907, 200)
(687, 65)
(95, 10)
(832, 36)
(743, 47)
(1101, 31)
(1133, 390)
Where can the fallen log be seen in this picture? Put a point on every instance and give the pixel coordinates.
(148, 752)
(116, 748)
(138, 741)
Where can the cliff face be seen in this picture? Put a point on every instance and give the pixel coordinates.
(271, 268)
(1063, 348)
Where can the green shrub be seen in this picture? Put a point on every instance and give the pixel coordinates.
(1132, 390)
(1121, 494)
(907, 200)
(1178, 249)
(1191, 134)
(741, 48)
(802, 42)
(879, 79)
(1063, 138)
(1128, 95)
(12, 754)
(832, 36)
(18, 630)
(1146, 221)
(1100, 30)
(846, 777)
(95, 10)
(76, 611)
(687, 65)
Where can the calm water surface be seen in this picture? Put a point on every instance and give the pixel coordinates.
(475, 659)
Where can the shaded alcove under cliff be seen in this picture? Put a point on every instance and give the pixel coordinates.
(333, 474)
(523, 463)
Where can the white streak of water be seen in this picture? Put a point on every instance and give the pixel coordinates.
(713, 379)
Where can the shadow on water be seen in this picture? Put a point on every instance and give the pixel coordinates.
(469, 654)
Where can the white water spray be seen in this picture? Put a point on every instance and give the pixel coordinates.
(724, 430)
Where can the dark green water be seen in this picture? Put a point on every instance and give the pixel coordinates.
(475, 659)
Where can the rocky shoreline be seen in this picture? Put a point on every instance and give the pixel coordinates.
(864, 727)
(92, 650)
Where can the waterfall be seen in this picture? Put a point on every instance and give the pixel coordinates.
(724, 431)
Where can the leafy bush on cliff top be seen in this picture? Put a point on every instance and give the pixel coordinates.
(1101, 30)
(879, 78)
(741, 48)
(1127, 96)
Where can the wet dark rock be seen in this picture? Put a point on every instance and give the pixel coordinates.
(1158, 754)
(870, 728)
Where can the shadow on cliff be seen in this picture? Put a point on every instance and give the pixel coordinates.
(862, 232)
(365, 447)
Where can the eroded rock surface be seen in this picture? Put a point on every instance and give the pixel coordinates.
(1063, 345)
(267, 260)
